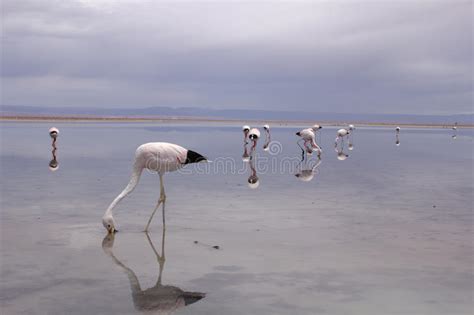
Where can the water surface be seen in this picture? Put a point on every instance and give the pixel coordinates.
(388, 230)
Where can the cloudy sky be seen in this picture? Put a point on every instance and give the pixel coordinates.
(397, 56)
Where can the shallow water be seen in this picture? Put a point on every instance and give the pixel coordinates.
(386, 231)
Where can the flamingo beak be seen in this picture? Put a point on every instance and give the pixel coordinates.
(112, 230)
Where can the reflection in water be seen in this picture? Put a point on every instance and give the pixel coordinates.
(160, 299)
(246, 155)
(341, 155)
(53, 164)
(307, 168)
(268, 137)
(339, 144)
(350, 138)
(253, 180)
(249, 158)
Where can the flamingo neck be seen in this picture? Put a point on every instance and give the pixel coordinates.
(136, 173)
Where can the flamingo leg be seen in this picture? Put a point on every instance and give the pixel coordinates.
(160, 201)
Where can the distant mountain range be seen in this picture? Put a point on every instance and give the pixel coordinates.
(235, 114)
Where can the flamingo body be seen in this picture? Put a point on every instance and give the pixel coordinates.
(53, 132)
(254, 134)
(306, 134)
(309, 136)
(342, 132)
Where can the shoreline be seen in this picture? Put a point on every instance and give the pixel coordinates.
(168, 120)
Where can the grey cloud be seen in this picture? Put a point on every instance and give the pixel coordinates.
(341, 56)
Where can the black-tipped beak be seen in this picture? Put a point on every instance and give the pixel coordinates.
(194, 157)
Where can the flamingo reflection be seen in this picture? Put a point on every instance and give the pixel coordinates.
(341, 155)
(54, 164)
(339, 143)
(268, 138)
(253, 180)
(307, 168)
(246, 154)
(245, 130)
(159, 299)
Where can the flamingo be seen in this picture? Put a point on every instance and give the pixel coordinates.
(246, 130)
(309, 136)
(341, 133)
(350, 144)
(397, 138)
(161, 157)
(455, 129)
(53, 133)
(268, 137)
(254, 135)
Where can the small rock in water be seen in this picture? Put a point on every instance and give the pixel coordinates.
(195, 242)
(215, 246)
(434, 206)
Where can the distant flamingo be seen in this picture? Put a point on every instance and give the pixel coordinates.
(397, 138)
(254, 135)
(246, 130)
(341, 133)
(53, 133)
(308, 135)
